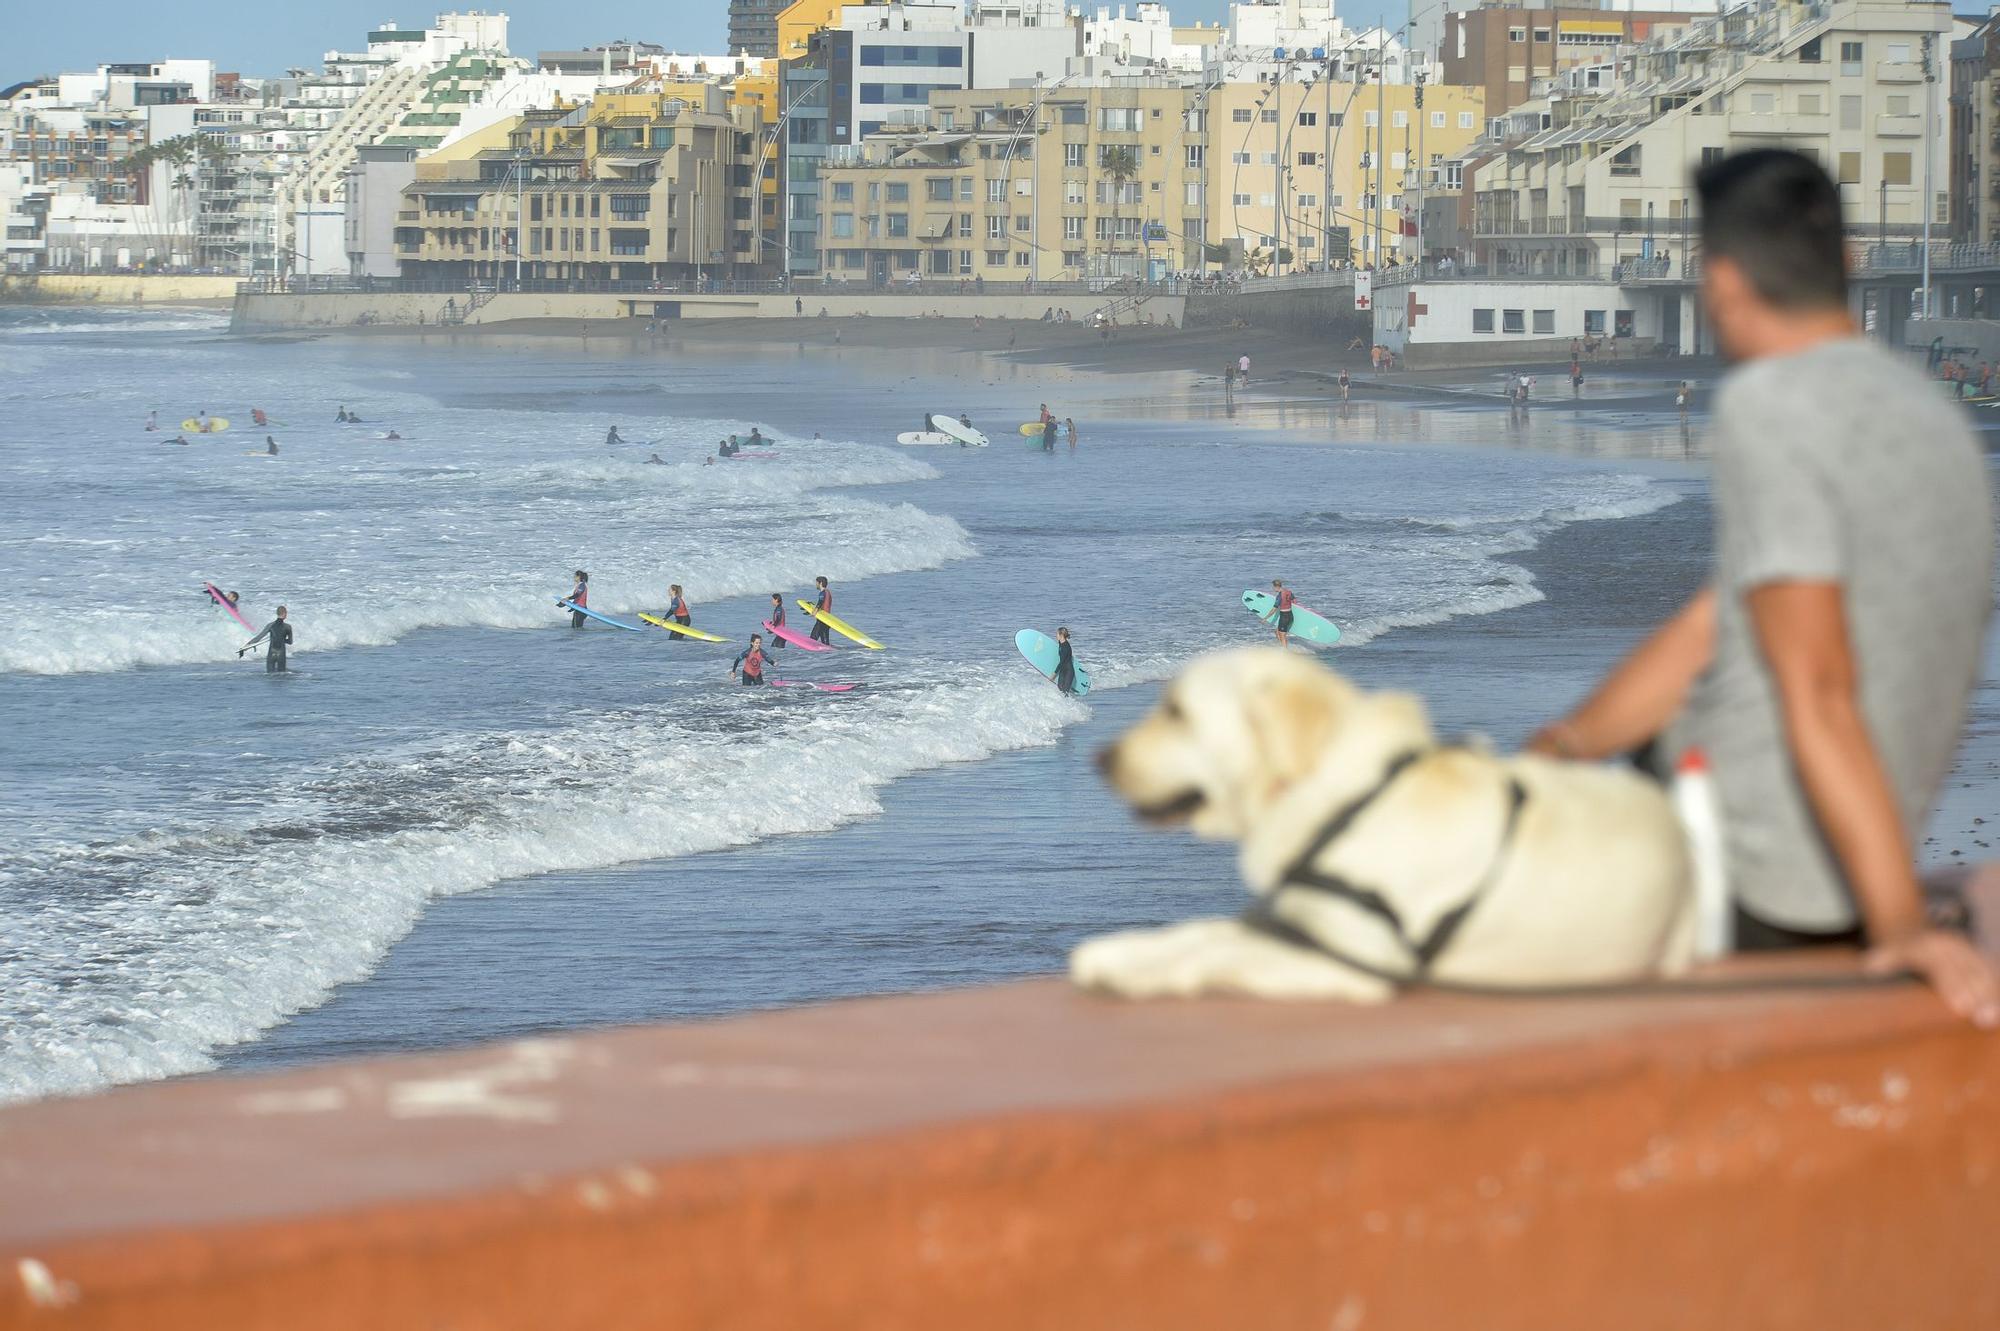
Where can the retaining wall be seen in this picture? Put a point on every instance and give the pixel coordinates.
(113, 288)
(1322, 312)
(1028, 1156)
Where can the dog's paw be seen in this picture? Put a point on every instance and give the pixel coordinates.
(1215, 957)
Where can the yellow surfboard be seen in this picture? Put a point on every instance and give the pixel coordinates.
(216, 425)
(841, 626)
(1031, 427)
(685, 632)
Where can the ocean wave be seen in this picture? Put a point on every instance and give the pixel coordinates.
(161, 949)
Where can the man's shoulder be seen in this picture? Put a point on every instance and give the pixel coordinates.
(1849, 387)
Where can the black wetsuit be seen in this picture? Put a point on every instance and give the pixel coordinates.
(777, 622)
(278, 633)
(1065, 675)
(1049, 436)
(821, 633)
(579, 595)
(678, 612)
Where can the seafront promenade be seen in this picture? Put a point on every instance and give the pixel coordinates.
(1029, 1155)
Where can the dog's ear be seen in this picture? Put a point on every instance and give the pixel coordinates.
(1293, 714)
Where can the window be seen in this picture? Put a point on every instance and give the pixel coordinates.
(1197, 155)
(1541, 34)
(1399, 161)
(1899, 52)
(937, 191)
(1811, 104)
(1239, 159)
(1545, 323)
(1072, 191)
(1625, 162)
(1517, 35)
(1466, 120)
(1308, 119)
(629, 207)
(1371, 119)
(1240, 116)
(1118, 119)
(1075, 113)
(1622, 324)
(1850, 58)
(1898, 106)
(899, 225)
(1267, 159)
(1763, 103)
(1809, 52)
(1239, 200)
(1269, 115)
(843, 191)
(1713, 155)
(965, 227)
(1482, 321)
(996, 258)
(1072, 228)
(1073, 154)
(996, 228)
(896, 192)
(1896, 168)
(996, 191)
(1513, 321)
(1437, 120)
(1593, 323)
(1308, 201)
(1072, 258)
(965, 261)
(1399, 120)
(1022, 258)
(1308, 159)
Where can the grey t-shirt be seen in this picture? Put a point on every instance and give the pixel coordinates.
(1839, 464)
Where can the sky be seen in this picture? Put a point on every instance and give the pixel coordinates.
(262, 37)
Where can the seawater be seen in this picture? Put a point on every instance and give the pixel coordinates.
(192, 852)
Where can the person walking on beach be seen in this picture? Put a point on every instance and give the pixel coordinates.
(749, 666)
(1346, 384)
(798, 307)
(1243, 368)
(1281, 611)
(1847, 497)
(1681, 399)
(824, 605)
(1065, 675)
(579, 597)
(677, 610)
(777, 619)
(1575, 377)
(277, 635)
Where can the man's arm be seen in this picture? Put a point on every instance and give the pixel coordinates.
(1802, 630)
(1637, 700)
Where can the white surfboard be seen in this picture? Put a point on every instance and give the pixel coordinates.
(964, 434)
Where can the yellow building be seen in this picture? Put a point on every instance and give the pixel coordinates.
(1138, 180)
(1292, 164)
(631, 187)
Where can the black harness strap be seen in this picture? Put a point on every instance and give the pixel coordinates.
(1423, 951)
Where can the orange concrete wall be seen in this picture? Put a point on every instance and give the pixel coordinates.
(1029, 1157)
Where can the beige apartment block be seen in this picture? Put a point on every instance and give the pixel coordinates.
(1609, 179)
(631, 187)
(1104, 182)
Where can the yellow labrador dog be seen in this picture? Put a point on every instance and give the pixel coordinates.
(1377, 854)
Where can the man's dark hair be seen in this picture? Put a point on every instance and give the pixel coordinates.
(1777, 215)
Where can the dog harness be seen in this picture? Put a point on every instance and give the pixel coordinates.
(1424, 951)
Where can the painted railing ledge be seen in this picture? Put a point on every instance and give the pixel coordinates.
(1031, 1156)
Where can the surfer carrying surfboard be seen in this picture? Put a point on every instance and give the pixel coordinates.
(1065, 676)
(579, 596)
(677, 610)
(821, 633)
(777, 620)
(1281, 610)
(749, 667)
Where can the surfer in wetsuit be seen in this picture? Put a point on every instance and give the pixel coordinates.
(579, 595)
(258, 418)
(777, 619)
(1281, 610)
(677, 610)
(341, 418)
(1065, 676)
(821, 633)
(757, 439)
(152, 420)
(749, 667)
(278, 634)
(270, 446)
(656, 461)
(611, 436)
(1048, 434)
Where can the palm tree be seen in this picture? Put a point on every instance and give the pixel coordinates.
(179, 154)
(1121, 164)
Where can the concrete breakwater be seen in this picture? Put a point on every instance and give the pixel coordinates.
(114, 289)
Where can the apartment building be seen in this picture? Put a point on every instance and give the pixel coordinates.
(1509, 49)
(753, 26)
(1607, 176)
(1139, 177)
(1975, 134)
(631, 187)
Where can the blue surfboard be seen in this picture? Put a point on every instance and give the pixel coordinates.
(1043, 653)
(1306, 625)
(602, 619)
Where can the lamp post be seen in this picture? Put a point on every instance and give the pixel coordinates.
(1930, 79)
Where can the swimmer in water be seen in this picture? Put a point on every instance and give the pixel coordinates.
(270, 446)
(611, 436)
(392, 435)
(656, 461)
(152, 420)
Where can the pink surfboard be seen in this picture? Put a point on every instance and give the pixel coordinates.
(796, 639)
(804, 684)
(216, 593)
(753, 455)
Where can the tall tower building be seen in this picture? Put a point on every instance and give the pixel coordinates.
(753, 27)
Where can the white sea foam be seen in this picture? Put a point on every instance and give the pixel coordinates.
(202, 940)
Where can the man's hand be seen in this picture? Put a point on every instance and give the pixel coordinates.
(1948, 962)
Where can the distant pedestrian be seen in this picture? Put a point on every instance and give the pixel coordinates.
(1575, 377)
(1346, 384)
(1070, 426)
(1681, 399)
(798, 307)
(1243, 367)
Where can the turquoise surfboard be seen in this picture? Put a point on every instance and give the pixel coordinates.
(1043, 653)
(1305, 623)
(587, 612)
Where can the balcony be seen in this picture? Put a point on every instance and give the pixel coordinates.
(1777, 124)
(1899, 127)
(1898, 71)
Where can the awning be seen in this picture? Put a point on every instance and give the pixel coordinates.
(937, 226)
(1600, 27)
